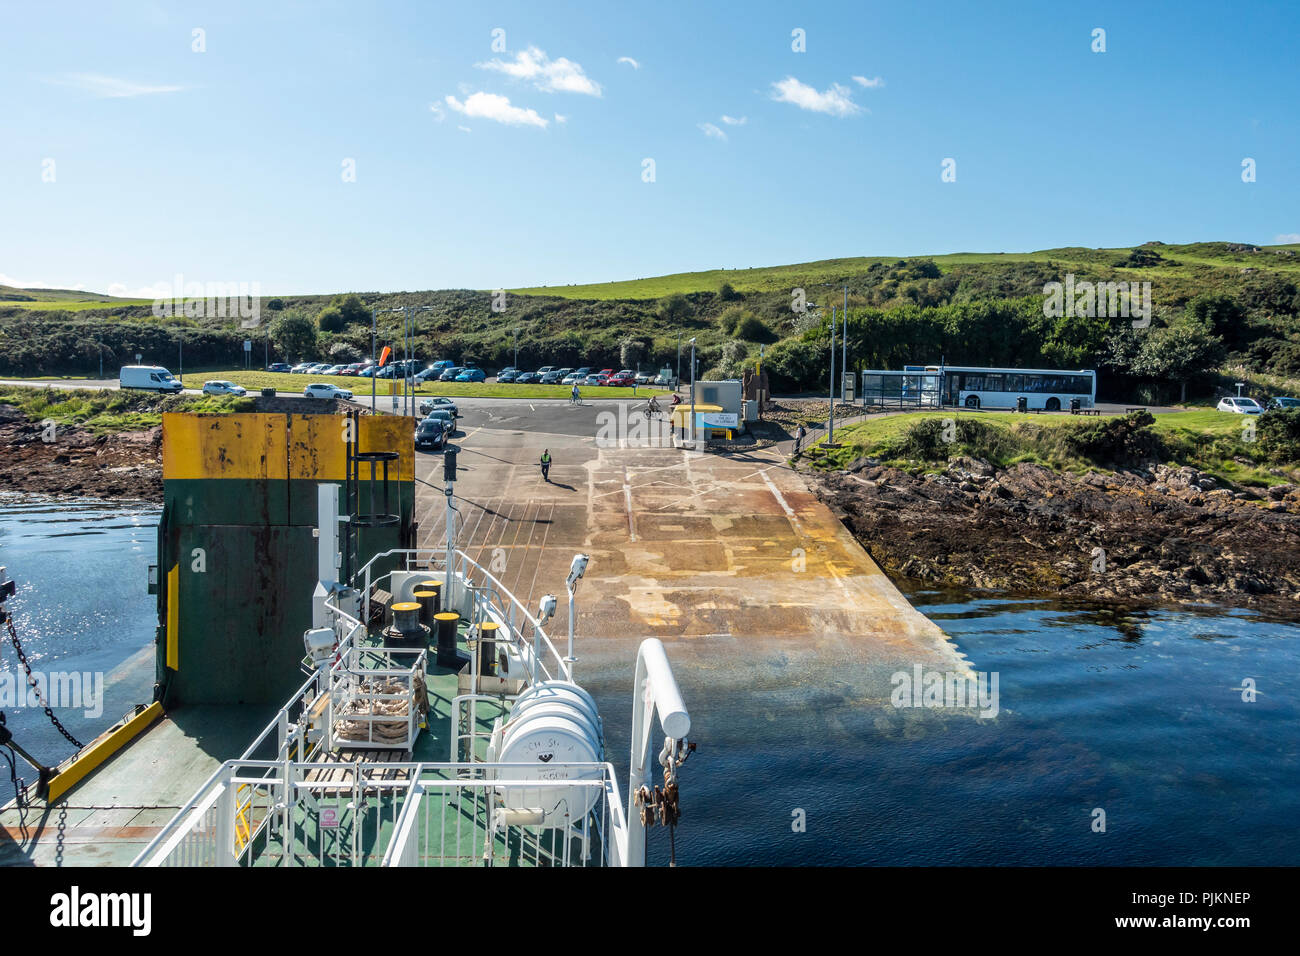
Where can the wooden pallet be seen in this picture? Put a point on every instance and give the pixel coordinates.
(340, 776)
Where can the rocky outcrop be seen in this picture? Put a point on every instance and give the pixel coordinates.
(1158, 533)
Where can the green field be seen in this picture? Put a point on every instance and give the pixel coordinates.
(111, 410)
(783, 278)
(360, 387)
(1214, 442)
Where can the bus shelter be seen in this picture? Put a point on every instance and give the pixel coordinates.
(901, 389)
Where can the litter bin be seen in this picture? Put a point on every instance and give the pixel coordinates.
(1074, 406)
(1022, 404)
(268, 393)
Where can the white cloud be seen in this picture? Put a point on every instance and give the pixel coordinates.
(734, 121)
(547, 75)
(106, 87)
(159, 290)
(561, 118)
(711, 130)
(438, 114)
(496, 108)
(36, 284)
(464, 129)
(874, 83)
(630, 62)
(837, 101)
(1287, 238)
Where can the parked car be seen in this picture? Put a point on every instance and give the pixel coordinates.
(152, 378)
(1241, 406)
(325, 390)
(665, 380)
(577, 375)
(507, 375)
(301, 368)
(529, 378)
(1280, 403)
(542, 372)
(445, 416)
(555, 376)
(446, 404)
(216, 387)
(449, 374)
(431, 433)
(429, 374)
(279, 367)
(596, 378)
(644, 378)
(367, 372)
(624, 377)
(472, 375)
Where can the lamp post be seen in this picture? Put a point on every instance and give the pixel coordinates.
(516, 337)
(576, 571)
(679, 358)
(692, 393)
(830, 433)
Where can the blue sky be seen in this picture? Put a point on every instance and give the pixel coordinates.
(227, 165)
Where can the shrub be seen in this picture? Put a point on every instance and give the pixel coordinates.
(751, 329)
(730, 318)
(727, 292)
(1279, 435)
(1113, 441)
(330, 319)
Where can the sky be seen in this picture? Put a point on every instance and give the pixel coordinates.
(327, 147)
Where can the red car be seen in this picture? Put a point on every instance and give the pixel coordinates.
(622, 378)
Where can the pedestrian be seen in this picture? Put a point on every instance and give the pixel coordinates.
(800, 434)
(546, 464)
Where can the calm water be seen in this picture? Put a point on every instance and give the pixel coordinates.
(82, 604)
(1138, 714)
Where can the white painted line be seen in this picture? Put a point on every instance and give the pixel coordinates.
(776, 493)
(627, 499)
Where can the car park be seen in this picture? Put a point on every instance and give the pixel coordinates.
(507, 375)
(529, 378)
(555, 376)
(216, 387)
(431, 433)
(471, 375)
(325, 390)
(449, 374)
(577, 375)
(1281, 403)
(1239, 406)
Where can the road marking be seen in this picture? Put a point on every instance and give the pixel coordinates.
(776, 493)
(627, 500)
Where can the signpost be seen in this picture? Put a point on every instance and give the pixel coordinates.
(847, 392)
(248, 352)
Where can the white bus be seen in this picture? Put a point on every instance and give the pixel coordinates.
(1042, 388)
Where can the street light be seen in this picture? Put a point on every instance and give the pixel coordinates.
(515, 332)
(576, 570)
(692, 393)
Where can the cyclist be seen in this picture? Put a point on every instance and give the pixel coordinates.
(576, 396)
(652, 407)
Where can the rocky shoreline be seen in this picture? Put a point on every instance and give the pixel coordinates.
(1152, 534)
(67, 460)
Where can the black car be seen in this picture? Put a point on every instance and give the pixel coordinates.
(528, 378)
(279, 367)
(432, 433)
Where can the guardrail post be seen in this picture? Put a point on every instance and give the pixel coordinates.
(225, 835)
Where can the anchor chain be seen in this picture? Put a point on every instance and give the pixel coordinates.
(662, 805)
(31, 682)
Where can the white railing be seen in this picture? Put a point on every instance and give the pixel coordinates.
(377, 699)
(469, 588)
(343, 814)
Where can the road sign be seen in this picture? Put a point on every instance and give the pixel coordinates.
(848, 386)
(248, 345)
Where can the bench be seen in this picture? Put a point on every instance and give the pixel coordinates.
(1138, 408)
(1090, 411)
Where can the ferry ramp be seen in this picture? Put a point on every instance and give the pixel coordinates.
(751, 582)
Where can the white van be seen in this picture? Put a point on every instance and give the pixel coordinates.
(153, 378)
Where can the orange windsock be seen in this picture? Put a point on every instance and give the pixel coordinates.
(385, 355)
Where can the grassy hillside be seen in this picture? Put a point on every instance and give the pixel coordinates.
(970, 308)
(1214, 255)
